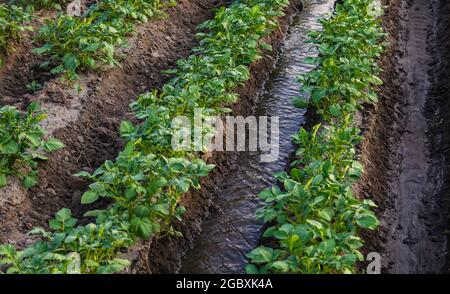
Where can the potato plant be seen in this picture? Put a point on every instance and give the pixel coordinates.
(23, 144)
(314, 216)
(63, 249)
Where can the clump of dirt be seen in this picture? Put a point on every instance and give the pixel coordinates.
(404, 151)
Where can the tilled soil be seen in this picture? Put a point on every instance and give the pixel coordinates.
(406, 147)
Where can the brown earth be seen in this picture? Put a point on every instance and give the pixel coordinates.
(406, 150)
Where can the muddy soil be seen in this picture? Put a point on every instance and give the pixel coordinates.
(406, 150)
(87, 122)
(165, 255)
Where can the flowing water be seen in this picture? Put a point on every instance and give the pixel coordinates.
(232, 230)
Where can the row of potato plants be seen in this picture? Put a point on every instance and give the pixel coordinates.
(16, 15)
(13, 21)
(148, 179)
(90, 41)
(313, 216)
(32, 5)
(23, 141)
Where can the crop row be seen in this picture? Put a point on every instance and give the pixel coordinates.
(314, 218)
(12, 22)
(76, 43)
(73, 44)
(147, 180)
(15, 16)
(31, 5)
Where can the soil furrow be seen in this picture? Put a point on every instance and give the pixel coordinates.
(404, 159)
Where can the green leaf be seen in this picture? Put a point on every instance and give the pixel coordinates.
(57, 70)
(11, 147)
(182, 186)
(93, 213)
(265, 194)
(70, 239)
(3, 180)
(89, 197)
(83, 174)
(300, 102)
(310, 60)
(325, 214)
(335, 109)
(63, 215)
(90, 62)
(8, 250)
(315, 223)
(317, 95)
(162, 208)
(280, 234)
(251, 269)
(367, 221)
(41, 50)
(55, 224)
(53, 144)
(38, 156)
(30, 181)
(327, 246)
(70, 62)
(156, 185)
(114, 266)
(280, 266)
(126, 128)
(261, 255)
(143, 227)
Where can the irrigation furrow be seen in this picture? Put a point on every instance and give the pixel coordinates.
(231, 230)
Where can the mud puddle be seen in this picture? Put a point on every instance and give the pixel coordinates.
(231, 229)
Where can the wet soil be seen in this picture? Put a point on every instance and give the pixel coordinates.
(406, 150)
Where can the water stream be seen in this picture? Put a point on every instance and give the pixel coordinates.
(232, 230)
